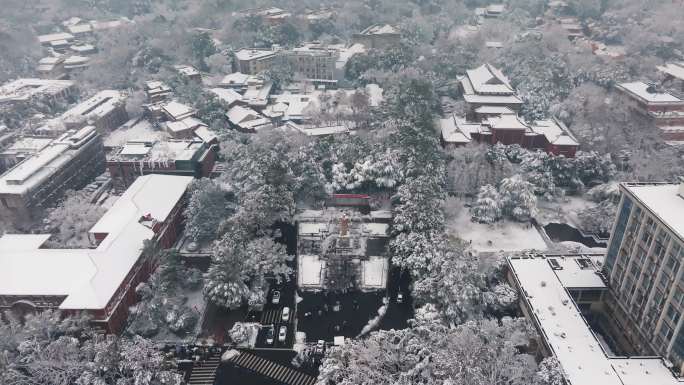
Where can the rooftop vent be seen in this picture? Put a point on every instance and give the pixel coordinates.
(554, 264)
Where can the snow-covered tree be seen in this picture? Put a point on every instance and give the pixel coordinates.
(475, 353)
(163, 299)
(487, 207)
(518, 198)
(599, 217)
(208, 206)
(54, 350)
(71, 219)
(414, 251)
(237, 274)
(419, 207)
(549, 372)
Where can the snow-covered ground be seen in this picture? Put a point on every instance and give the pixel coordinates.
(501, 236)
(375, 273)
(562, 210)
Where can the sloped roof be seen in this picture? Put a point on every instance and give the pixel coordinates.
(90, 277)
(487, 79)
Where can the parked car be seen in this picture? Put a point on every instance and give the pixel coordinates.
(270, 335)
(286, 314)
(276, 297)
(282, 334)
(320, 347)
(400, 298)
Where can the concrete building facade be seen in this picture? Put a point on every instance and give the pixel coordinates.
(643, 266)
(69, 162)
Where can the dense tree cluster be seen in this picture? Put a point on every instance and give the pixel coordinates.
(48, 349)
(163, 304)
(70, 221)
(430, 352)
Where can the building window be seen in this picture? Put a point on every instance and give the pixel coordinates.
(672, 263)
(666, 332)
(673, 314)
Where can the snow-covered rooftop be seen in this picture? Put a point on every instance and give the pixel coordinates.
(97, 106)
(226, 95)
(236, 79)
(555, 132)
(177, 111)
(24, 89)
(665, 201)
(644, 91)
(380, 29)
(253, 54)
(487, 79)
(43, 39)
(673, 69)
(567, 333)
(374, 273)
(43, 164)
(89, 278)
(311, 270)
(135, 131)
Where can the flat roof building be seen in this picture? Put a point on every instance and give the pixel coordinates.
(253, 61)
(100, 281)
(643, 266)
(665, 108)
(106, 110)
(378, 36)
(553, 289)
(187, 157)
(41, 178)
(29, 90)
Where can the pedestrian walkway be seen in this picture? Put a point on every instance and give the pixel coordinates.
(270, 369)
(206, 373)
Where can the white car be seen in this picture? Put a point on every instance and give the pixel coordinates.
(286, 314)
(282, 333)
(276, 297)
(400, 298)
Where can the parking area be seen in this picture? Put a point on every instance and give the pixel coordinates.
(273, 317)
(322, 316)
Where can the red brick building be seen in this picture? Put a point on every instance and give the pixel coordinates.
(664, 108)
(548, 135)
(101, 280)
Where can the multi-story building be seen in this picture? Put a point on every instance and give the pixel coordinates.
(643, 266)
(68, 162)
(189, 72)
(343, 246)
(378, 36)
(556, 292)
(99, 281)
(664, 108)
(33, 91)
(673, 72)
(314, 62)
(14, 150)
(172, 157)
(106, 111)
(487, 86)
(52, 67)
(253, 61)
